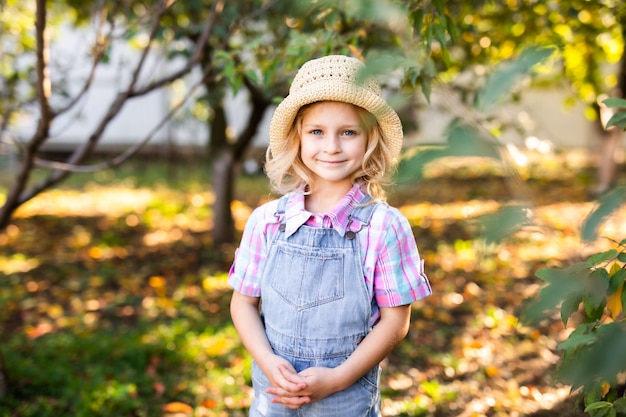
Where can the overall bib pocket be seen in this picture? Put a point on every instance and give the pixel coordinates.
(309, 277)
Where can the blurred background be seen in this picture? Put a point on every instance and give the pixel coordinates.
(132, 140)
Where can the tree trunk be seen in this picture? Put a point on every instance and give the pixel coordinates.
(4, 384)
(222, 167)
(226, 157)
(224, 174)
(611, 138)
(609, 145)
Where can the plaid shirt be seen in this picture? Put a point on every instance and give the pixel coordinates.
(394, 272)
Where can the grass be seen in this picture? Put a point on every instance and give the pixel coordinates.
(113, 301)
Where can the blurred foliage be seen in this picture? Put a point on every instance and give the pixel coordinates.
(593, 354)
(468, 138)
(113, 300)
(425, 42)
(589, 36)
(507, 74)
(17, 42)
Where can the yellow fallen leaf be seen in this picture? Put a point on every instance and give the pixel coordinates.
(492, 371)
(209, 403)
(157, 281)
(614, 302)
(95, 252)
(177, 407)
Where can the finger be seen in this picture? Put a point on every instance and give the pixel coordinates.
(280, 392)
(290, 376)
(291, 381)
(291, 402)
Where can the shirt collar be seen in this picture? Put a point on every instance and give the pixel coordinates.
(296, 215)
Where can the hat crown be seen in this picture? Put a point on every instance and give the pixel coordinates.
(335, 78)
(333, 69)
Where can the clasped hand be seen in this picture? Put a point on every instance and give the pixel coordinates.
(293, 389)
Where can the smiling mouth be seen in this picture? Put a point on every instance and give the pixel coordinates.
(331, 162)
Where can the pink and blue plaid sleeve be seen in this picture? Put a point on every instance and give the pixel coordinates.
(244, 275)
(399, 276)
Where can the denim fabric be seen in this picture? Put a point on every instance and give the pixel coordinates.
(316, 308)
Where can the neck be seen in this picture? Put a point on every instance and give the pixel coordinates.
(323, 199)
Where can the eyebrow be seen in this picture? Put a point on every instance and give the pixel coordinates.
(355, 126)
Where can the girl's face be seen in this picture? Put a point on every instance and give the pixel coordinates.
(333, 144)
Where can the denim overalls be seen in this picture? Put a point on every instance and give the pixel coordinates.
(316, 309)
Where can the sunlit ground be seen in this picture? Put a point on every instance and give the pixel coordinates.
(86, 260)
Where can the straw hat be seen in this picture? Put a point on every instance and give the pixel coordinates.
(335, 78)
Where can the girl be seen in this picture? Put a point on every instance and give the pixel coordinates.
(325, 276)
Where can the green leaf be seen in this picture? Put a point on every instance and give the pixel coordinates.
(504, 222)
(608, 204)
(563, 284)
(620, 405)
(548, 274)
(599, 282)
(382, 62)
(453, 30)
(618, 119)
(500, 83)
(615, 102)
(598, 405)
(381, 11)
(440, 34)
(560, 275)
(426, 85)
(577, 340)
(462, 141)
(430, 67)
(418, 20)
(600, 361)
(252, 76)
(616, 280)
(429, 36)
(624, 297)
(570, 306)
(439, 6)
(594, 308)
(593, 392)
(411, 169)
(602, 257)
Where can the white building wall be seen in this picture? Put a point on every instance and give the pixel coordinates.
(550, 120)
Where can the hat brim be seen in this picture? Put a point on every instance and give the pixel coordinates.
(287, 110)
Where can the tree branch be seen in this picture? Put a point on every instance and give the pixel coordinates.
(123, 157)
(45, 119)
(218, 7)
(259, 104)
(43, 74)
(87, 147)
(99, 49)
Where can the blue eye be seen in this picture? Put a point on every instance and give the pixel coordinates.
(350, 132)
(316, 132)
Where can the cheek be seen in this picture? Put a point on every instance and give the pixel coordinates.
(307, 147)
(359, 147)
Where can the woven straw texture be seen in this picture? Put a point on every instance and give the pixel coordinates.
(335, 78)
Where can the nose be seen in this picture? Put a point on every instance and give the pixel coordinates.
(332, 144)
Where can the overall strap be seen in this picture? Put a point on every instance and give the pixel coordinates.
(280, 212)
(363, 213)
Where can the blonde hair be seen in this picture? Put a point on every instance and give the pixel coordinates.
(287, 172)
